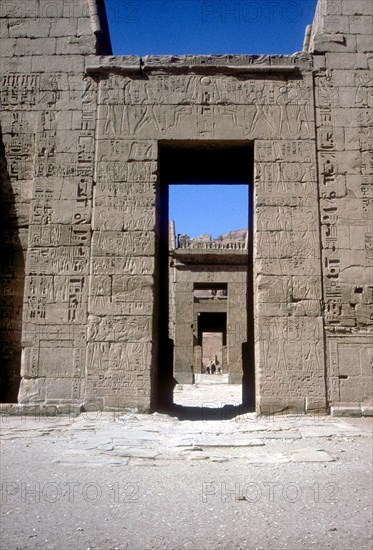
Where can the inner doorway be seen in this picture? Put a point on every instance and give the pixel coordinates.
(212, 341)
(191, 264)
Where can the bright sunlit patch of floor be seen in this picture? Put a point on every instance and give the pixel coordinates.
(208, 395)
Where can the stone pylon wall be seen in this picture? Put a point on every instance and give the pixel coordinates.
(342, 44)
(48, 120)
(81, 133)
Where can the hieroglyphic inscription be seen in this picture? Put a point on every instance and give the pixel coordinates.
(366, 145)
(26, 91)
(20, 148)
(132, 328)
(205, 106)
(363, 88)
(18, 90)
(327, 96)
(291, 346)
(46, 148)
(51, 299)
(58, 260)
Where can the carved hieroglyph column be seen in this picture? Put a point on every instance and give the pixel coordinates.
(342, 45)
(287, 266)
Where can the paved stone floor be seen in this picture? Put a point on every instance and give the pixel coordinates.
(213, 395)
(106, 481)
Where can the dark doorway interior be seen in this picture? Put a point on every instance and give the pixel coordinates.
(212, 322)
(205, 162)
(12, 277)
(192, 162)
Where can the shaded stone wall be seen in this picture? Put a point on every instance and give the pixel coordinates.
(81, 133)
(12, 274)
(48, 118)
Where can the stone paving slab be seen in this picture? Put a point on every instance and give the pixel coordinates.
(308, 454)
(160, 437)
(154, 482)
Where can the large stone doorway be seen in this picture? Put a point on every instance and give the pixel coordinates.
(223, 270)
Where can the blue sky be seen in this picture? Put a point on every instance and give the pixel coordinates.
(215, 209)
(144, 27)
(208, 26)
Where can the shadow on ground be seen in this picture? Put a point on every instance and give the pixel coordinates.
(227, 412)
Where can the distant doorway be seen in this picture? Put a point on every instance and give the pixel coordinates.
(212, 339)
(212, 353)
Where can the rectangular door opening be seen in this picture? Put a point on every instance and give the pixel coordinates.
(205, 313)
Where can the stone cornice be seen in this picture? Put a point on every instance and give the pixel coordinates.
(205, 64)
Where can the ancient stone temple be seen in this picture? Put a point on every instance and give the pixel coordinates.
(208, 297)
(89, 145)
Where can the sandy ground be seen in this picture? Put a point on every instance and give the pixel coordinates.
(106, 481)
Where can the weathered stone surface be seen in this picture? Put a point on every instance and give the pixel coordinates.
(334, 42)
(357, 7)
(311, 455)
(345, 409)
(81, 214)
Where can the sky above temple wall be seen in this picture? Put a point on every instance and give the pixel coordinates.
(142, 27)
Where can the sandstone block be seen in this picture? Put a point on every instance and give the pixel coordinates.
(330, 8)
(84, 26)
(36, 46)
(347, 98)
(136, 243)
(276, 406)
(345, 409)
(32, 390)
(63, 63)
(7, 47)
(16, 65)
(66, 26)
(123, 265)
(367, 409)
(334, 42)
(316, 406)
(127, 329)
(60, 389)
(364, 43)
(347, 61)
(336, 23)
(357, 7)
(4, 32)
(344, 77)
(361, 24)
(319, 62)
(101, 63)
(29, 28)
(71, 45)
(75, 10)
